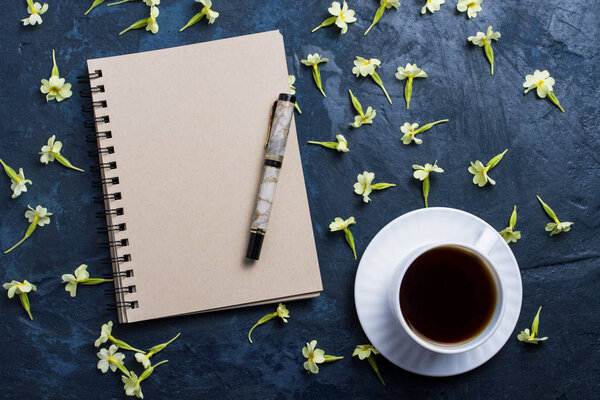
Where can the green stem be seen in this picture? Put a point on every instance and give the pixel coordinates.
(378, 81)
(408, 91)
(137, 25)
(317, 78)
(553, 99)
(376, 18)
(298, 108)
(194, 20)
(350, 240)
(122, 345)
(95, 4)
(429, 126)
(371, 360)
(332, 358)
(118, 2)
(489, 52)
(66, 162)
(25, 302)
(426, 190)
(94, 281)
(261, 321)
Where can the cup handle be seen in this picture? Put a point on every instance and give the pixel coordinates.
(486, 241)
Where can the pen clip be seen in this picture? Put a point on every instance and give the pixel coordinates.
(270, 123)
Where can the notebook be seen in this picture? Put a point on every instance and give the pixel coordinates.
(180, 135)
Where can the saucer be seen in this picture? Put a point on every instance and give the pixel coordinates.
(395, 240)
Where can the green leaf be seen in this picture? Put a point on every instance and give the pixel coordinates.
(137, 25)
(426, 190)
(492, 163)
(261, 321)
(382, 185)
(95, 4)
(327, 22)
(317, 78)
(553, 99)
(356, 103)
(378, 81)
(489, 52)
(408, 91)
(513, 218)
(65, 162)
(548, 210)
(25, 302)
(535, 324)
(9, 171)
(193, 20)
(378, 15)
(371, 360)
(350, 240)
(429, 126)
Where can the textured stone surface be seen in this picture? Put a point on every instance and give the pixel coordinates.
(550, 153)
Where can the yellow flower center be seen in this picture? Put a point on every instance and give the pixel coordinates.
(54, 90)
(367, 62)
(342, 16)
(112, 359)
(21, 285)
(471, 4)
(540, 83)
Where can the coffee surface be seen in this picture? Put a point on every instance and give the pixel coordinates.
(448, 295)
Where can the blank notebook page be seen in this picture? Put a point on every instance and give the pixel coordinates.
(188, 129)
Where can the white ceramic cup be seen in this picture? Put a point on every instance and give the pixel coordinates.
(480, 249)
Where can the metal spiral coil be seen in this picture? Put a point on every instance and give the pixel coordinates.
(91, 123)
(93, 105)
(105, 181)
(106, 165)
(91, 90)
(88, 77)
(112, 211)
(122, 289)
(93, 137)
(112, 228)
(122, 304)
(107, 196)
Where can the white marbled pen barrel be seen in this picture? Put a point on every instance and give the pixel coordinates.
(283, 111)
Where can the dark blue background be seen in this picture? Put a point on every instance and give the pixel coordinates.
(550, 153)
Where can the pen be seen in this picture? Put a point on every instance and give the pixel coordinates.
(279, 127)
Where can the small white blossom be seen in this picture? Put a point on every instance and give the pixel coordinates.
(343, 14)
(541, 81)
(35, 13)
(472, 7)
(364, 67)
(40, 215)
(432, 6)
(482, 38)
(410, 71)
(109, 359)
(152, 25)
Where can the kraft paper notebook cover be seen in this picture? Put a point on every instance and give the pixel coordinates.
(180, 136)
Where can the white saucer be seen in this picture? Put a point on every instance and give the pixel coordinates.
(396, 239)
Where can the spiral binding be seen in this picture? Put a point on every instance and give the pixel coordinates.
(114, 245)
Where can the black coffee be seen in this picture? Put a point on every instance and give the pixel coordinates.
(448, 295)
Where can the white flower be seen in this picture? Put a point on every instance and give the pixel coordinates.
(50, 149)
(56, 88)
(472, 7)
(16, 287)
(480, 176)
(314, 356)
(152, 25)
(314, 59)
(367, 118)
(432, 6)
(364, 351)
(482, 38)
(541, 81)
(409, 133)
(40, 215)
(81, 274)
(343, 14)
(150, 3)
(105, 334)
(211, 15)
(132, 385)
(34, 14)
(143, 359)
(109, 359)
(365, 67)
(18, 186)
(422, 172)
(342, 144)
(410, 71)
(339, 224)
(389, 4)
(363, 186)
(292, 80)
